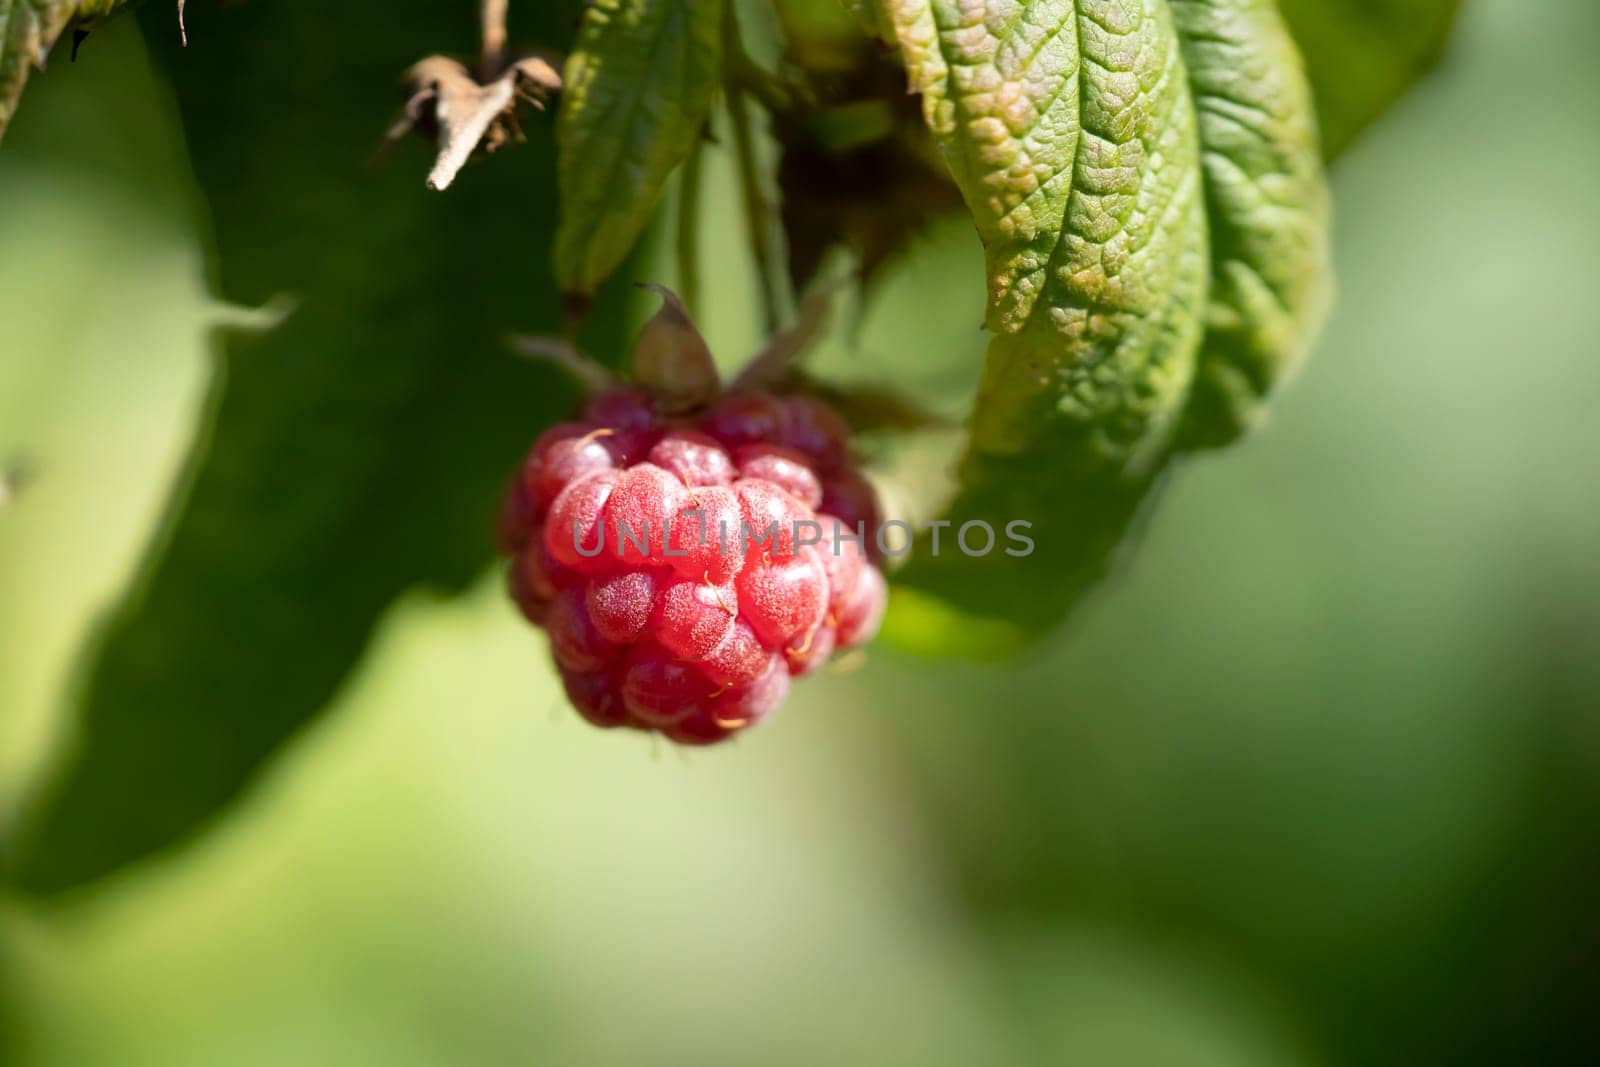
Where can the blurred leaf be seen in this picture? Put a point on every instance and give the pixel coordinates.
(28, 30)
(858, 169)
(1266, 208)
(1362, 57)
(15, 474)
(640, 82)
(353, 452)
(1084, 181)
(821, 34)
(11, 1013)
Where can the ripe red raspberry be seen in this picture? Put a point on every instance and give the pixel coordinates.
(687, 565)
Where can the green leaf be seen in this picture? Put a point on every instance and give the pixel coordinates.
(1266, 205)
(1147, 181)
(355, 451)
(1362, 57)
(639, 85)
(28, 29)
(1071, 132)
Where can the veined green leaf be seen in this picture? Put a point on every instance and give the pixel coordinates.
(1266, 202)
(1071, 131)
(353, 452)
(28, 29)
(639, 85)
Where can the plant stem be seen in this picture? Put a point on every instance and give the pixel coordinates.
(767, 90)
(689, 229)
(494, 37)
(755, 200)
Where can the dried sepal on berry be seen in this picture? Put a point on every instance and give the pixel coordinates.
(671, 360)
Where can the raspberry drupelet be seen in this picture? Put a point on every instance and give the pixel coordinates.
(682, 559)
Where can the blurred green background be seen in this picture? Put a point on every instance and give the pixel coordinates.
(1316, 781)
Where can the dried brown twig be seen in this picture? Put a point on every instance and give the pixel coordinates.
(461, 113)
(451, 108)
(494, 37)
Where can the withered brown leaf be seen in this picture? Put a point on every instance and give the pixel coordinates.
(460, 115)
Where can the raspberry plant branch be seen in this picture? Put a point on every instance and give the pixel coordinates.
(388, 389)
(769, 91)
(758, 212)
(688, 235)
(493, 16)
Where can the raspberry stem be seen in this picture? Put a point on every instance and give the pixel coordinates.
(757, 209)
(688, 248)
